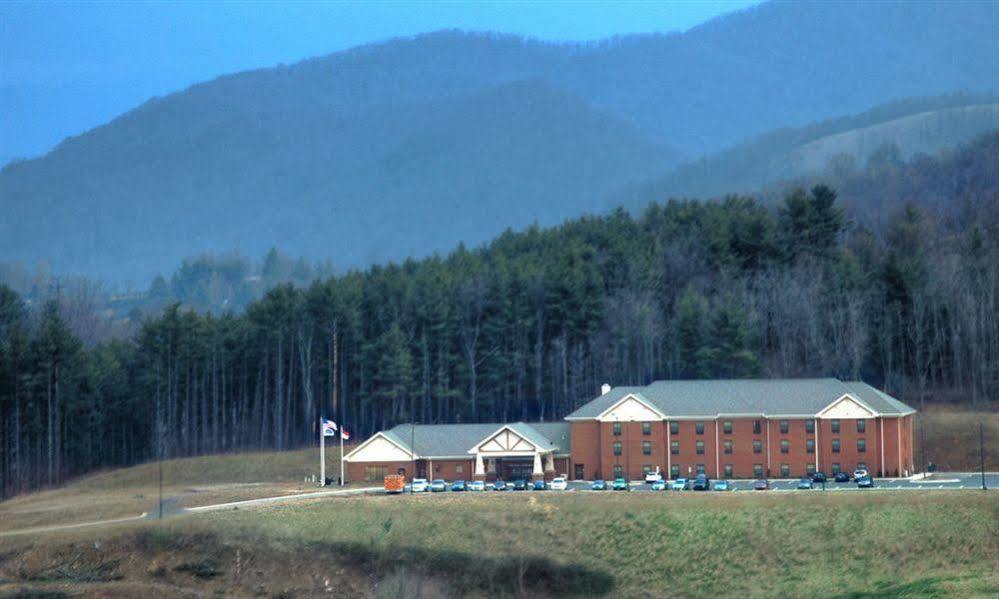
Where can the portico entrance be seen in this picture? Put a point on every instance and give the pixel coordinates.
(509, 454)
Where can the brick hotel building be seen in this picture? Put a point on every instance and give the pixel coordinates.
(773, 428)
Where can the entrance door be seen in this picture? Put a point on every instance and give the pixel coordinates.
(579, 473)
(520, 469)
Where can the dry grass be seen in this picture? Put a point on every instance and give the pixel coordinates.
(187, 482)
(951, 435)
(779, 544)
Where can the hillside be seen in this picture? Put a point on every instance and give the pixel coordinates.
(360, 155)
(833, 147)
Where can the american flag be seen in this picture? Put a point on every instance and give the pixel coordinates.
(344, 434)
(329, 427)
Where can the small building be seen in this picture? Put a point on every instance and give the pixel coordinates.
(756, 428)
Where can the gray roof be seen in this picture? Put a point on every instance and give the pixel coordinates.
(454, 440)
(770, 397)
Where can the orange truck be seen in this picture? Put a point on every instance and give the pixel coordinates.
(394, 483)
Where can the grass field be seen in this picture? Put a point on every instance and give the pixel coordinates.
(951, 436)
(901, 544)
(187, 482)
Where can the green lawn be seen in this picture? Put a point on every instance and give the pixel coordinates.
(871, 544)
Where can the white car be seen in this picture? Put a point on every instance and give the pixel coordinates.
(420, 485)
(860, 473)
(477, 485)
(653, 477)
(558, 484)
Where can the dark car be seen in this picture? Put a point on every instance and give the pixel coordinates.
(499, 486)
(539, 485)
(842, 477)
(520, 485)
(819, 477)
(702, 483)
(865, 482)
(459, 485)
(761, 485)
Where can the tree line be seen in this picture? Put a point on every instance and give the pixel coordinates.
(527, 327)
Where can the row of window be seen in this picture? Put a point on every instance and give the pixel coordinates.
(785, 427)
(729, 446)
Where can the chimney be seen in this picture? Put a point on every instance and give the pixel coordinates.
(605, 389)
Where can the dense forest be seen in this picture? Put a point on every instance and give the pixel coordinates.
(530, 326)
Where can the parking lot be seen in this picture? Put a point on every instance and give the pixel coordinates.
(935, 481)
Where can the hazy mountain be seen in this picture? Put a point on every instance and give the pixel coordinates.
(834, 147)
(413, 145)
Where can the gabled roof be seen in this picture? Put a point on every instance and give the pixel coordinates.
(770, 397)
(454, 440)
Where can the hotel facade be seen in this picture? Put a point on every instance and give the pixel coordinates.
(763, 428)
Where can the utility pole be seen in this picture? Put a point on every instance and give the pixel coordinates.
(922, 441)
(981, 450)
(412, 454)
(159, 444)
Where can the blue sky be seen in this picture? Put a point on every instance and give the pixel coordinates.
(68, 66)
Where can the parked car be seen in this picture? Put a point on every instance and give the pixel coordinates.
(520, 485)
(500, 486)
(477, 485)
(722, 485)
(651, 477)
(761, 485)
(865, 482)
(419, 485)
(680, 484)
(842, 477)
(818, 477)
(659, 485)
(459, 485)
(702, 483)
(599, 485)
(860, 473)
(538, 485)
(805, 483)
(438, 485)
(621, 484)
(558, 484)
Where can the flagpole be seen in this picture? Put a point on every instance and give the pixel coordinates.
(322, 454)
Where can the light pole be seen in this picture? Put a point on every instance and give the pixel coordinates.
(981, 451)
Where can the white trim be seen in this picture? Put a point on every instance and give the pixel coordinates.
(849, 396)
(490, 437)
(636, 398)
(383, 436)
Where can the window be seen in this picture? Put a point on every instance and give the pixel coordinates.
(617, 448)
(809, 426)
(834, 425)
(580, 471)
(727, 427)
(785, 446)
(700, 469)
(757, 446)
(784, 426)
(617, 429)
(700, 447)
(646, 469)
(835, 468)
(757, 427)
(728, 470)
(810, 445)
(674, 427)
(674, 447)
(458, 468)
(646, 447)
(835, 445)
(785, 470)
(646, 428)
(674, 471)
(728, 447)
(618, 471)
(758, 470)
(810, 469)
(861, 426)
(375, 473)
(861, 445)
(699, 428)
